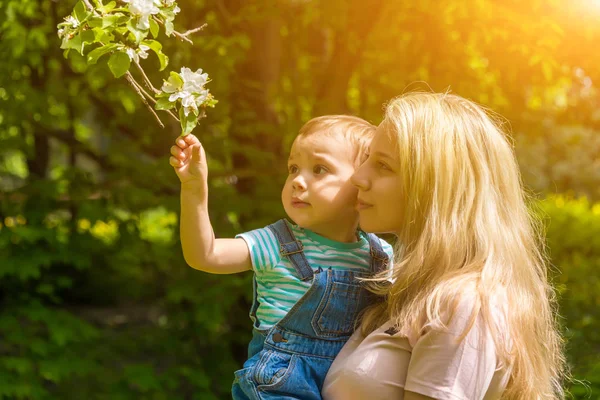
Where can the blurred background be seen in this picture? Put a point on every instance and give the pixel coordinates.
(96, 301)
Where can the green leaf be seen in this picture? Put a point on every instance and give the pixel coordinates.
(73, 43)
(163, 60)
(88, 37)
(211, 102)
(138, 35)
(153, 44)
(175, 78)
(107, 8)
(169, 28)
(110, 20)
(143, 375)
(94, 21)
(80, 11)
(119, 63)
(164, 104)
(162, 94)
(156, 47)
(103, 36)
(188, 123)
(94, 55)
(154, 28)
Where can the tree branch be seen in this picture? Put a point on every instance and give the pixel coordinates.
(153, 100)
(146, 79)
(182, 36)
(134, 84)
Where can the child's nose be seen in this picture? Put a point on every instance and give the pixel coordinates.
(298, 183)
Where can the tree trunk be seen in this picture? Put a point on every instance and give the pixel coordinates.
(349, 45)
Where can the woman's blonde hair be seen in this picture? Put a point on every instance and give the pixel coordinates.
(466, 225)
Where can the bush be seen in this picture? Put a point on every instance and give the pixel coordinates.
(573, 237)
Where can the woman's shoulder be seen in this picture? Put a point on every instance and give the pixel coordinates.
(471, 307)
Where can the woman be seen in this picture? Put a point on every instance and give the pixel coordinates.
(469, 313)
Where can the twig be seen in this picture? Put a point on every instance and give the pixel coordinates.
(146, 79)
(189, 32)
(182, 36)
(172, 115)
(134, 84)
(148, 95)
(153, 100)
(88, 5)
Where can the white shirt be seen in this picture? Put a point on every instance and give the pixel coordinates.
(384, 365)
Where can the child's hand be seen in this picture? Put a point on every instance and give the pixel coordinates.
(189, 161)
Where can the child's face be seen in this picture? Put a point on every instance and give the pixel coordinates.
(318, 194)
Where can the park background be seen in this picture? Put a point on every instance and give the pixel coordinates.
(96, 301)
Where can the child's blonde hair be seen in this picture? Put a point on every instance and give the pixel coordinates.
(466, 225)
(356, 131)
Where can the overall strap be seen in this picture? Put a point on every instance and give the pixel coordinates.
(291, 248)
(379, 258)
(255, 303)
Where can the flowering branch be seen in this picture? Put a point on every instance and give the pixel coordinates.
(123, 32)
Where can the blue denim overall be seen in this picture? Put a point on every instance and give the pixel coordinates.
(290, 360)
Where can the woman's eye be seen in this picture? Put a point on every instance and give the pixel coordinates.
(292, 169)
(383, 165)
(319, 170)
(364, 158)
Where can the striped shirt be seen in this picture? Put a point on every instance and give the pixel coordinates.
(278, 285)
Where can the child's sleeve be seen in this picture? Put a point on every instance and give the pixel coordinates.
(263, 247)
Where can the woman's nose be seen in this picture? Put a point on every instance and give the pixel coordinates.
(360, 179)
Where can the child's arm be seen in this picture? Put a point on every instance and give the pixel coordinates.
(201, 249)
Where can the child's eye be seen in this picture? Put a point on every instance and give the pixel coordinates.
(320, 169)
(292, 169)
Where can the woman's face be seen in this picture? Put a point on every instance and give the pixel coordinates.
(379, 185)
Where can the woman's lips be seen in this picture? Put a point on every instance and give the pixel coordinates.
(362, 205)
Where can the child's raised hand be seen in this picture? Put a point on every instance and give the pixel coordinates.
(189, 161)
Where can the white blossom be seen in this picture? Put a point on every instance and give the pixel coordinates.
(143, 9)
(191, 92)
(132, 54)
(136, 54)
(71, 20)
(191, 102)
(193, 81)
(143, 51)
(180, 94)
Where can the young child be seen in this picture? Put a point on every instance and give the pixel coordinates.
(306, 295)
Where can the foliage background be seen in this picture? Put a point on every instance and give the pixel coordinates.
(96, 300)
